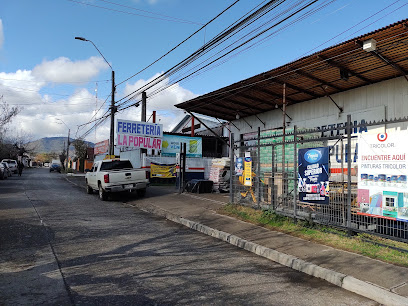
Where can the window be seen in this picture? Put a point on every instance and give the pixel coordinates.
(390, 202)
(116, 165)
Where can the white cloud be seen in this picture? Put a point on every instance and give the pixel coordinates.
(39, 114)
(20, 87)
(1, 34)
(163, 103)
(63, 70)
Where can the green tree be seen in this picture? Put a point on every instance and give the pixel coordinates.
(80, 152)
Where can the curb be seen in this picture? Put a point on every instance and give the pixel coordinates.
(344, 281)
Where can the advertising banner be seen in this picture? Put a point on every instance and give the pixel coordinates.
(172, 144)
(382, 175)
(313, 175)
(248, 170)
(139, 135)
(101, 147)
(162, 170)
(239, 166)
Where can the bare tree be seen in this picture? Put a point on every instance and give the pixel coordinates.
(7, 148)
(7, 113)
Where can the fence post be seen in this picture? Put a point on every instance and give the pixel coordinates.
(258, 168)
(295, 181)
(273, 191)
(349, 174)
(232, 168)
(180, 169)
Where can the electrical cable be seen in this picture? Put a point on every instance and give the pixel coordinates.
(215, 40)
(242, 44)
(179, 44)
(235, 88)
(334, 37)
(149, 12)
(129, 13)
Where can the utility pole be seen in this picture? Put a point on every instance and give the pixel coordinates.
(144, 98)
(112, 107)
(66, 162)
(143, 152)
(112, 125)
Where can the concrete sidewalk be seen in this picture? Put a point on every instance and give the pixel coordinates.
(381, 282)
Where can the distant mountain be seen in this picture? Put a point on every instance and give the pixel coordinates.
(52, 144)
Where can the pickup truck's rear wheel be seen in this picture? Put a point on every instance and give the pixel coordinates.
(141, 192)
(102, 194)
(89, 189)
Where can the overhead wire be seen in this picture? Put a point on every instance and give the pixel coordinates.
(171, 19)
(149, 12)
(56, 82)
(122, 106)
(364, 20)
(179, 44)
(236, 90)
(268, 37)
(169, 86)
(229, 30)
(241, 44)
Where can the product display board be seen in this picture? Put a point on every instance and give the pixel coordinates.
(239, 166)
(172, 144)
(162, 170)
(382, 175)
(313, 175)
(247, 169)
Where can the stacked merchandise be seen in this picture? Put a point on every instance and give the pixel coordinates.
(220, 174)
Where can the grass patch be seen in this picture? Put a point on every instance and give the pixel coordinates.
(364, 244)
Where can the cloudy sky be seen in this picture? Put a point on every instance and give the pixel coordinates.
(59, 82)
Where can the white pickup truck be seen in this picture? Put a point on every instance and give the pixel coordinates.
(116, 175)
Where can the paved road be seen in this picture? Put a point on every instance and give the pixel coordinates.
(62, 246)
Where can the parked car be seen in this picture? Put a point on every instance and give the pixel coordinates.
(12, 163)
(7, 169)
(3, 174)
(55, 167)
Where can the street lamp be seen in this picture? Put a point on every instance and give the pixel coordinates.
(69, 130)
(113, 108)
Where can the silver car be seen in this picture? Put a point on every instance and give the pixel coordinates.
(12, 163)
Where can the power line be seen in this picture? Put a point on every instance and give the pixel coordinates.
(237, 26)
(231, 31)
(354, 27)
(149, 12)
(19, 89)
(56, 82)
(217, 39)
(305, 15)
(179, 44)
(172, 19)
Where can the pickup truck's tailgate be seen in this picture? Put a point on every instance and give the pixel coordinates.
(124, 176)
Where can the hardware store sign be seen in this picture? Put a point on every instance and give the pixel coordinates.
(139, 135)
(382, 175)
(313, 179)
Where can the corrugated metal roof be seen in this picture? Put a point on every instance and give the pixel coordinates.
(335, 69)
